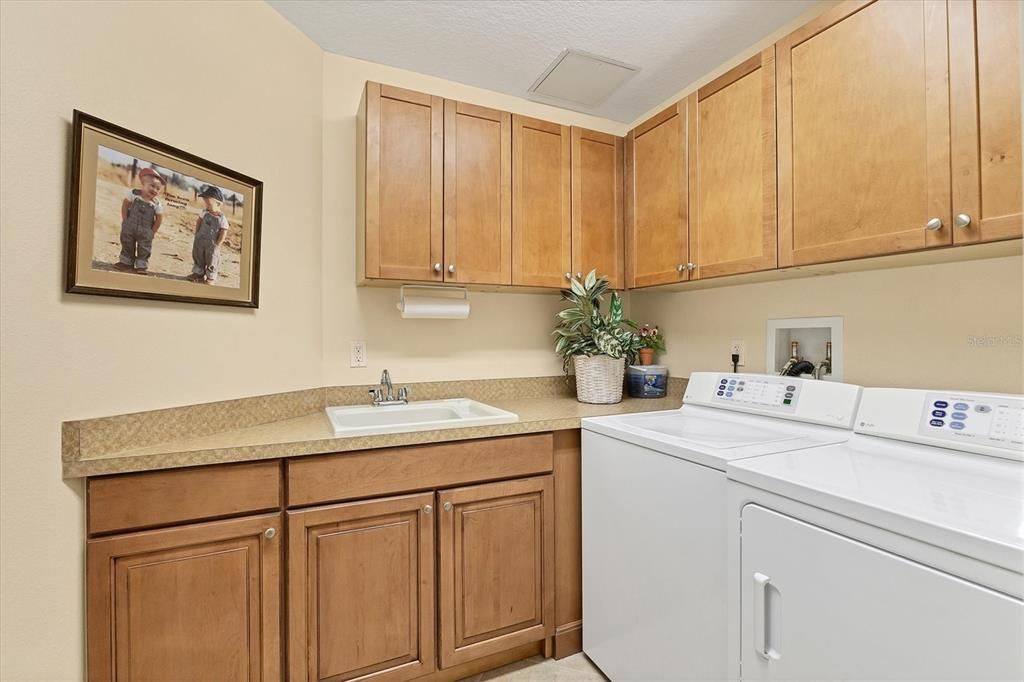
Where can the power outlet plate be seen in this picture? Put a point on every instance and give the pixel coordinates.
(358, 354)
(737, 347)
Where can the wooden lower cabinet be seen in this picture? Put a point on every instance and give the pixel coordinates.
(196, 602)
(496, 567)
(466, 575)
(361, 590)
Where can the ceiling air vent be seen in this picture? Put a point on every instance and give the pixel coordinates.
(578, 79)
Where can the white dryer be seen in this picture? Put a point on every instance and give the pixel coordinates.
(654, 515)
(897, 555)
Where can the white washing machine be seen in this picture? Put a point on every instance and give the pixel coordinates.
(897, 555)
(655, 515)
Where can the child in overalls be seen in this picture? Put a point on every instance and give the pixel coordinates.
(141, 215)
(211, 228)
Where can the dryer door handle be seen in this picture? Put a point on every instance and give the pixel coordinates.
(762, 622)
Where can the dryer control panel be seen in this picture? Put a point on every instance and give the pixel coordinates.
(992, 420)
(771, 393)
(983, 423)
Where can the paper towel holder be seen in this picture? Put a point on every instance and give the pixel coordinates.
(464, 298)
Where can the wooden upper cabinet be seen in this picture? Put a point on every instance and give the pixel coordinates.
(597, 212)
(361, 590)
(403, 219)
(477, 194)
(496, 588)
(541, 223)
(199, 602)
(657, 249)
(985, 58)
(863, 132)
(732, 170)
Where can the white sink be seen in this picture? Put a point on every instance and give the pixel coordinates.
(426, 415)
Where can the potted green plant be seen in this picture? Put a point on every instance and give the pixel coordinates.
(594, 343)
(651, 340)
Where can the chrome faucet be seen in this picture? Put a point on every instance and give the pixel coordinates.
(384, 394)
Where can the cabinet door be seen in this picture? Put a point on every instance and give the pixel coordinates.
(541, 224)
(361, 590)
(985, 62)
(496, 567)
(477, 194)
(597, 214)
(656, 200)
(403, 175)
(197, 602)
(732, 171)
(820, 606)
(863, 132)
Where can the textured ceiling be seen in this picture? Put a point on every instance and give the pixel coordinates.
(505, 45)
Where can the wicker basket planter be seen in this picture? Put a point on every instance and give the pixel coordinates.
(599, 379)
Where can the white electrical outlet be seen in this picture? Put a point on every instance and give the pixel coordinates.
(358, 354)
(737, 348)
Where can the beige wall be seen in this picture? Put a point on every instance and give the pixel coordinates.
(908, 327)
(73, 356)
(506, 334)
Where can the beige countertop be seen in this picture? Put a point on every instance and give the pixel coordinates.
(295, 424)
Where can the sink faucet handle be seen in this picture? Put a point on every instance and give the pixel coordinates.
(403, 393)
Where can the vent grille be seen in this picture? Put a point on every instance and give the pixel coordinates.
(579, 79)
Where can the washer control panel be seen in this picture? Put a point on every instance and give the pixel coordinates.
(765, 392)
(987, 420)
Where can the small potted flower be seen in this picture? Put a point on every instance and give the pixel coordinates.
(651, 340)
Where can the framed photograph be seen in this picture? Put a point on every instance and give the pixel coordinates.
(151, 221)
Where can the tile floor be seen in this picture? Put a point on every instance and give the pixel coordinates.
(575, 668)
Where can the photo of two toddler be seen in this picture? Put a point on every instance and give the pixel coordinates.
(167, 224)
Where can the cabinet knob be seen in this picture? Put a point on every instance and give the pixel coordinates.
(962, 220)
(680, 267)
(934, 224)
(437, 267)
(447, 506)
(270, 533)
(579, 275)
(451, 268)
(568, 275)
(427, 509)
(691, 266)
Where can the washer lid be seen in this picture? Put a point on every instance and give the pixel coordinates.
(710, 432)
(713, 437)
(970, 504)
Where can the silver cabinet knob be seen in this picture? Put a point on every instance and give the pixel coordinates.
(451, 268)
(437, 267)
(680, 267)
(934, 224)
(579, 275)
(427, 509)
(270, 533)
(447, 506)
(568, 275)
(691, 266)
(962, 220)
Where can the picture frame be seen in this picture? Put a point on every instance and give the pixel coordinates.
(151, 221)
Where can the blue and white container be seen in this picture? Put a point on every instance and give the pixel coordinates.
(647, 381)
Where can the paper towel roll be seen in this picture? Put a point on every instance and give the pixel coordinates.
(433, 308)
